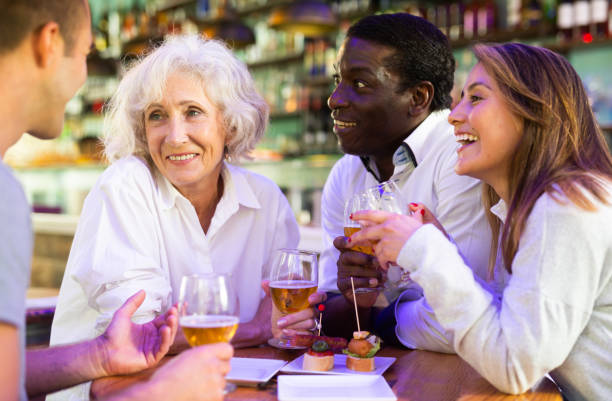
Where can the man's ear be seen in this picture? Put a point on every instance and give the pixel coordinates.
(421, 98)
(47, 44)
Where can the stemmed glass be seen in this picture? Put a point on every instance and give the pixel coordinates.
(293, 278)
(208, 311)
(385, 196)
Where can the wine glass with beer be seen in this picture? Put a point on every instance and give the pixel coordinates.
(384, 196)
(293, 278)
(208, 310)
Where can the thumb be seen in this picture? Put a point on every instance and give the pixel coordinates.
(265, 285)
(132, 304)
(419, 214)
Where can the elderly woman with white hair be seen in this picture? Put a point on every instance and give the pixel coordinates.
(170, 204)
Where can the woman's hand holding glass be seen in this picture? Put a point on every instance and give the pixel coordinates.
(390, 231)
(293, 288)
(208, 311)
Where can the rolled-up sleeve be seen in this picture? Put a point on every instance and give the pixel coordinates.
(116, 253)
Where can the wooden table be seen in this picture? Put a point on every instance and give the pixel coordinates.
(415, 375)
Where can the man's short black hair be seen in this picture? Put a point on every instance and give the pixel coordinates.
(18, 18)
(422, 51)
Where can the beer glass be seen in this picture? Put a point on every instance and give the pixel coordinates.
(293, 278)
(384, 196)
(208, 311)
(357, 202)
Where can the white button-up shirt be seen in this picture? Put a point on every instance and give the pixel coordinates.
(455, 200)
(137, 231)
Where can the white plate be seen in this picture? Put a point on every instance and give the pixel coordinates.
(250, 371)
(334, 388)
(381, 364)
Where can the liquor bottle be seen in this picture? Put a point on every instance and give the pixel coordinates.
(582, 13)
(485, 18)
(442, 18)
(599, 18)
(565, 20)
(532, 14)
(455, 20)
(512, 14)
(469, 20)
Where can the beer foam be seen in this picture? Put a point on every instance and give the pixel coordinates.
(292, 284)
(207, 321)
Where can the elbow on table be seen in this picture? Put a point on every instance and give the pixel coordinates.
(513, 383)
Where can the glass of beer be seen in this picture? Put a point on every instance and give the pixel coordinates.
(208, 311)
(293, 278)
(357, 202)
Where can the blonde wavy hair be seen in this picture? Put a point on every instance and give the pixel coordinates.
(225, 80)
(563, 151)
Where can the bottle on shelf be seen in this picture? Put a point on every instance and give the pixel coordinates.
(582, 13)
(532, 13)
(455, 20)
(485, 20)
(565, 20)
(469, 20)
(599, 18)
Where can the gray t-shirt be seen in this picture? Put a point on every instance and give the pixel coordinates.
(15, 258)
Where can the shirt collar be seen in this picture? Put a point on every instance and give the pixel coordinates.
(236, 189)
(500, 210)
(416, 141)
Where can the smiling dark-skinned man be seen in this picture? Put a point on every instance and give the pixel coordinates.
(394, 75)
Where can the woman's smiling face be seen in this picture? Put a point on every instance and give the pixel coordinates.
(185, 134)
(487, 131)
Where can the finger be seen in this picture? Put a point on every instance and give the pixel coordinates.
(165, 334)
(265, 285)
(295, 318)
(347, 271)
(371, 216)
(341, 244)
(355, 258)
(222, 351)
(303, 325)
(132, 304)
(317, 298)
(345, 284)
(288, 333)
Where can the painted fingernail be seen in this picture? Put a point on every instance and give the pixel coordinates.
(281, 322)
(349, 240)
(422, 212)
(414, 204)
(351, 216)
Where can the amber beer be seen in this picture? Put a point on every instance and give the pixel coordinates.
(348, 231)
(208, 329)
(291, 296)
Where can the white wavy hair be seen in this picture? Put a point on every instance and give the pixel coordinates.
(225, 80)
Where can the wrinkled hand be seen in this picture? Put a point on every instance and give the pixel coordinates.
(299, 322)
(128, 347)
(391, 230)
(196, 374)
(258, 330)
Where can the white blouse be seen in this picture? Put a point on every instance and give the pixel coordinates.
(137, 231)
(555, 313)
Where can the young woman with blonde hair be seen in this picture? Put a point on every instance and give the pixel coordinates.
(526, 130)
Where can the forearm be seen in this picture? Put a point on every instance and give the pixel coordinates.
(147, 391)
(55, 368)
(339, 317)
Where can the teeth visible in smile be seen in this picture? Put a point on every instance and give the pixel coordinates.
(182, 157)
(466, 138)
(344, 124)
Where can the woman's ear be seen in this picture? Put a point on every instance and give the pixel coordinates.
(47, 44)
(421, 98)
